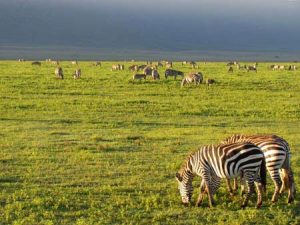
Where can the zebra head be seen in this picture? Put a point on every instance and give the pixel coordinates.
(185, 187)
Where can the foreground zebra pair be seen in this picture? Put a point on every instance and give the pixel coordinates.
(239, 155)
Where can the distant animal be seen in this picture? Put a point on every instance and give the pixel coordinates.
(21, 60)
(133, 68)
(174, 73)
(225, 161)
(281, 67)
(97, 63)
(122, 67)
(59, 73)
(193, 64)
(292, 67)
(155, 74)
(210, 81)
(115, 67)
(147, 71)
(55, 63)
(195, 78)
(251, 68)
(74, 62)
(184, 63)
(149, 62)
(232, 63)
(139, 77)
(77, 74)
(230, 70)
(36, 63)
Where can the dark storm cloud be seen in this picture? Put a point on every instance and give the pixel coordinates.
(156, 24)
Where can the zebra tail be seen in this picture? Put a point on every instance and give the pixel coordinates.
(263, 174)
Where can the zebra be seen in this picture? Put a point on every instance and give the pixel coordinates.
(155, 74)
(148, 71)
(171, 72)
(59, 73)
(214, 162)
(277, 154)
(77, 74)
(74, 62)
(251, 68)
(115, 67)
(196, 78)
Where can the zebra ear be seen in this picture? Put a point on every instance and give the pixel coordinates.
(178, 177)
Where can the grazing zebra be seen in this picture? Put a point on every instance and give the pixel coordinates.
(292, 67)
(230, 70)
(55, 63)
(36, 63)
(251, 68)
(133, 68)
(196, 78)
(277, 154)
(147, 71)
(115, 67)
(59, 73)
(77, 74)
(171, 72)
(74, 62)
(139, 77)
(214, 162)
(155, 74)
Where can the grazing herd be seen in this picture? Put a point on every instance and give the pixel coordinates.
(150, 69)
(244, 156)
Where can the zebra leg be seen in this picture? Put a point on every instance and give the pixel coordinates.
(259, 194)
(250, 186)
(201, 194)
(292, 189)
(235, 184)
(229, 186)
(277, 182)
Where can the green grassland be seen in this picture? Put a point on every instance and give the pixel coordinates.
(105, 150)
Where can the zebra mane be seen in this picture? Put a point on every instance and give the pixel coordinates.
(186, 164)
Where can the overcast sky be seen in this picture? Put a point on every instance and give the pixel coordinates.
(153, 24)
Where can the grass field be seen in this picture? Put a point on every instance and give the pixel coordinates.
(104, 150)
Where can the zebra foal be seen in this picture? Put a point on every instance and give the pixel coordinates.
(214, 162)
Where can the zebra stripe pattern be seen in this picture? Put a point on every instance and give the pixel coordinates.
(277, 153)
(214, 162)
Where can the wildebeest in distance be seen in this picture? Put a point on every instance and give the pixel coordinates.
(59, 73)
(174, 73)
